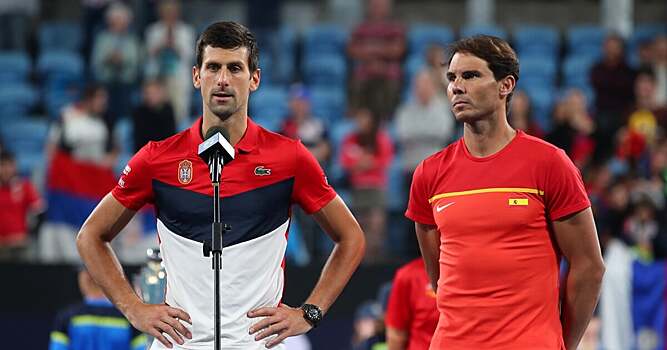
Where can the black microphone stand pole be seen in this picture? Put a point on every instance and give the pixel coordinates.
(218, 229)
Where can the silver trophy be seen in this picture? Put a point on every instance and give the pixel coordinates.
(151, 282)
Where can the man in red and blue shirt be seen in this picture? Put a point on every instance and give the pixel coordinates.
(268, 174)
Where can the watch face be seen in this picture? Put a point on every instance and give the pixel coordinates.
(313, 314)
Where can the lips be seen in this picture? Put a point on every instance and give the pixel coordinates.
(459, 103)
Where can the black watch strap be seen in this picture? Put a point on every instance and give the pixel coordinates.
(312, 314)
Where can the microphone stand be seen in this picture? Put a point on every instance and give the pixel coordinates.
(217, 231)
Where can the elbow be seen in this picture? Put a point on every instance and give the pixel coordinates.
(594, 272)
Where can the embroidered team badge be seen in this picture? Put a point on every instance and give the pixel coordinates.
(185, 172)
(262, 171)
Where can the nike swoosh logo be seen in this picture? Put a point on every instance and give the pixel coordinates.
(441, 208)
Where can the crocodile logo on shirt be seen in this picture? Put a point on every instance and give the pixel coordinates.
(262, 171)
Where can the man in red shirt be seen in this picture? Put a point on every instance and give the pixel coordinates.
(411, 315)
(494, 211)
(18, 198)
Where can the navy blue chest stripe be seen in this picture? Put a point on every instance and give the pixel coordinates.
(251, 214)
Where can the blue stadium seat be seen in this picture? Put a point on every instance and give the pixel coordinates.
(536, 40)
(395, 188)
(56, 99)
(14, 67)
(328, 104)
(538, 70)
(421, 36)
(17, 99)
(576, 71)
(26, 138)
(269, 106)
(325, 71)
(642, 33)
(413, 65)
(542, 100)
(585, 39)
(325, 39)
(58, 62)
(60, 36)
(472, 30)
(122, 133)
(25, 134)
(278, 56)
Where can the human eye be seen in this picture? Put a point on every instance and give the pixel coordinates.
(470, 74)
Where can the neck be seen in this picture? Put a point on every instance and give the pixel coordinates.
(236, 125)
(486, 137)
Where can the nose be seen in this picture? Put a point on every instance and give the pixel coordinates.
(223, 77)
(456, 86)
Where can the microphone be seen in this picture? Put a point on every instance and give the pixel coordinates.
(216, 151)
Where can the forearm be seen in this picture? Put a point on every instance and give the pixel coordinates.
(396, 339)
(342, 262)
(106, 270)
(581, 295)
(429, 245)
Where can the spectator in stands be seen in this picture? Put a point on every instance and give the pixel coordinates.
(19, 202)
(377, 47)
(659, 63)
(81, 159)
(92, 22)
(423, 125)
(366, 323)
(16, 20)
(301, 124)
(612, 80)
(81, 131)
(641, 228)
(370, 332)
(115, 60)
(170, 56)
(94, 324)
(365, 155)
(153, 119)
(573, 128)
(412, 315)
(521, 115)
(435, 66)
(647, 116)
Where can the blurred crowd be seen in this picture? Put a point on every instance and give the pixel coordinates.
(135, 87)
(369, 103)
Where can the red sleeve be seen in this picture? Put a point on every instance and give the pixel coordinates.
(32, 198)
(419, 209)
(564, 192)
(135, 188)
(311, 189)
(350, 152)
(385, 153)
(398, 314)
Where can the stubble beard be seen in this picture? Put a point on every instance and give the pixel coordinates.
(223, 112)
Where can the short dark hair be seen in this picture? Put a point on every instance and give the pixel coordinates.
(498, 54)
(6, 156)
(91, 90)
(228, 35)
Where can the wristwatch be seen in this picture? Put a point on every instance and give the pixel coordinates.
(312, 314)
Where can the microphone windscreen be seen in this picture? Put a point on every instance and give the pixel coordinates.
(217, 129)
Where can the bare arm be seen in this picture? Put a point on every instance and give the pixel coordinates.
(337, 221)
(429, 244)
(577, 239)
(93, 243)
(397, 339)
